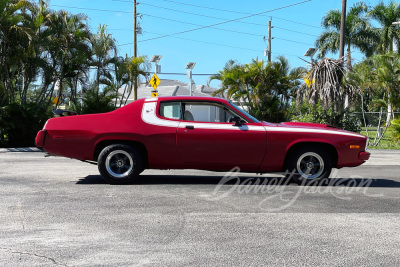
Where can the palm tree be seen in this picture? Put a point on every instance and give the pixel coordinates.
(32, 60)
(326, 87)
(67, 51)
(358, 32)
(136, 67)
(378, 76)
(229, 79)
(290, 79)
(386, 15)
(13, 37)
(362, 80)
(117, 78)
(264, 88)
(387, 78)
(239, 82)
(104, 48)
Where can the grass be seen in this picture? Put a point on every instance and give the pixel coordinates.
(386, 142)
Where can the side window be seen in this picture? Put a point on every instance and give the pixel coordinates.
(206, 112)
(171, 110)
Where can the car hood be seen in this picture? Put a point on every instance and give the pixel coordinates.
(307, 125)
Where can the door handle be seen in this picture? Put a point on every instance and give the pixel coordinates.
(191, 127)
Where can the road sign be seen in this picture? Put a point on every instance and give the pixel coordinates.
(56, 101)
(308, 81)
(154, 93)
(155, 81)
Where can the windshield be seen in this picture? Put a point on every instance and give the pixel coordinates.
(244, 112)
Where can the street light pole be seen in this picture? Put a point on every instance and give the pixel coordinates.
(190, 67)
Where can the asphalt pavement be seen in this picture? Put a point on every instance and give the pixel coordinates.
(58, 211)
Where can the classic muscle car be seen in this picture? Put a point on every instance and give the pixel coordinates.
(204, 133)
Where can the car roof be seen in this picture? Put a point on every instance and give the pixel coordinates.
(190, 98)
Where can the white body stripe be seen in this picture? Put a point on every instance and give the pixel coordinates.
(151, 99)
(307, 130)
(221, 126)
(149, 116)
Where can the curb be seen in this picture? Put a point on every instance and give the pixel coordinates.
(20, 149)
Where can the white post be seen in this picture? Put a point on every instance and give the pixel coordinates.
(189, 75)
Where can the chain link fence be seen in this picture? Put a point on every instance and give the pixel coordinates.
(374, 125)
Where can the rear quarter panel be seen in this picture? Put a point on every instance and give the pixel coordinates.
(77, 136)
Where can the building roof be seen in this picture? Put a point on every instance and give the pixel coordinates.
(167, 88)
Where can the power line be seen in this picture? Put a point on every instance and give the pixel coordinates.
(301, 23)
(295, 31)
(201, 15)
(205, 42)
(184, 22)
(212, 8)
(192, 5)
(228, 21)
(130, 12)
(112, 29)
(95, 9)
(188, 23)
(231, 11)
(225, 10)
(287, 40)
(251, 23)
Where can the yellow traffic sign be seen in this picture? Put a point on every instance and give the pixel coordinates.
(308, 81)
(155, 81)
(154, 94)
(56, 101)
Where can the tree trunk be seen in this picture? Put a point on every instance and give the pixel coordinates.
(389, 113)
(348, 66)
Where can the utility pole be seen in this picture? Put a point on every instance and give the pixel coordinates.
(269, 40)
(342, 29)
(135, 83)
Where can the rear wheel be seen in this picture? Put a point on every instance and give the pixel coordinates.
(120, 164)
(306, 165)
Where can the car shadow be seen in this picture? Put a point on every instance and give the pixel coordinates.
(244, 180)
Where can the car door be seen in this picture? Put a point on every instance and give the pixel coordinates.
(205, 136)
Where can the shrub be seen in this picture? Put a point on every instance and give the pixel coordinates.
(97, 102)
(19, 124)
(317, 114)
(394, 131)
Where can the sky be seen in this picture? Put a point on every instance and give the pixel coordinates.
(295, 29)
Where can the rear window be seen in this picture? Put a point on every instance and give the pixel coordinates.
(171, 110)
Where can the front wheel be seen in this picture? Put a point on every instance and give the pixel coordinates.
(309, 164)
(120, 164)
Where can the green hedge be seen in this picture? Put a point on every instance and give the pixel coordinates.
(19, 124)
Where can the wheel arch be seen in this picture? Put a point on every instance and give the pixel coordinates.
(133, 143)
(326, 146)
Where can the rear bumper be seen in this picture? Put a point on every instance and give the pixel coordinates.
(40, 139)
(364, 155)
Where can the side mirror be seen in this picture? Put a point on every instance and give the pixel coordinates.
(237, 120)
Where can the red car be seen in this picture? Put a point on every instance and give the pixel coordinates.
(199, 133)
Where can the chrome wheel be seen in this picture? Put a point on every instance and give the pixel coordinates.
(119, 164)
(310, 165)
